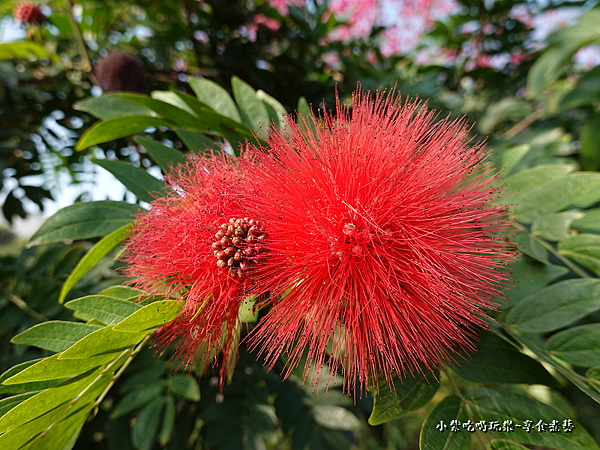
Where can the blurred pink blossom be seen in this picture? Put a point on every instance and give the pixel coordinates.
(587, 57)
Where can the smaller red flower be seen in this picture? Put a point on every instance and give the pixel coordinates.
(198, 244)
(120, 71)
(28, 12)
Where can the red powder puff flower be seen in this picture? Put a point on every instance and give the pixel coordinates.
(120, 71)
(383, 243)
(197, 243)
(28, 12)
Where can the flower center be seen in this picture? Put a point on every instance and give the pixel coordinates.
(238, 245)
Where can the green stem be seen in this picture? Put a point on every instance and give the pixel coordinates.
(85, 59)
(457, 392)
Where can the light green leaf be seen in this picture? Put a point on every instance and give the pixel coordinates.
(118, 127)
(151, 316)
(54, 335)
(91, 258)
(579, 346)
(137, 180)
(121, 292)
(146, 425)
(529, 276)
(103, 341)
(83, 221)
(8, 403)
(490, 405)
(584, 249)
(168, 111)
(276, 110)
(534, 177)
(110, 106)
(446, 411)
(64, 434)
(108, 310)
(496, 361)
(253, 111)
(335, 418)
(23, 50)
(24, 387)
(303, 107)
(406, 395)
(555, 226)
(590, 223)
(556, 306)
(555, 195)
(511, 157)
(185, 386)
(215, 96)
(530, 246)
(53, 368)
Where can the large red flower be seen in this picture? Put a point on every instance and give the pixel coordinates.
(197, 243)
(384, 245)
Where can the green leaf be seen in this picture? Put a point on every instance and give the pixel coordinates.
(496, 361)
(64, 434)
(253, 111)
(164, 156)
(119, 127)
(490, 405)
(579, 346)
(589, 153)
(406, 395)
(276, 110)
(83, 221)
(511, 157)
(530, 246)
(53, 368)
(22, 50)
(168, 422)
(110, 106)
(45, 401)
(151, 316)
(584, 249)
(138, 398)
(585, 92)
(185, 386)
(530, 276)
(103, 341)
(446, 411)
(335, 418)
(121, 292)
(556, 226)
(24, 387)
(303, 107)
(593, 374)
(108, 310)
(502, 444)
(555, 195)
(534, 177)
(166, 110)
(590, 223)
(196, 142)
(137, 180)
(54, 335)
(556, 306)
(215, 96)
(91, 258)
(146, 425)
(6, 404)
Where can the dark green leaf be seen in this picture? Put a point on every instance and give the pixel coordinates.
(138, 398)
(110, 106)
(590, 223)
(253, 111)
(490, 405)
(335, 418)
(168, 422)
(55, 336)
(579, 346)
(137, 180)
(165, 157)
(585, 92)
(91, 258)
(108, 310)
(168, 111)
(556, 226)
(83, 221)
(276, 111)
(119, 127)
(501, 444)
(556, 306)
(196, 142)
(530, 276)
(496, 361)
(446, 411)
(589, 153)
(146, 425)
(406, 395)
(185, 386)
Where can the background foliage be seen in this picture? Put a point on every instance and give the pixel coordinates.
(78, 374)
